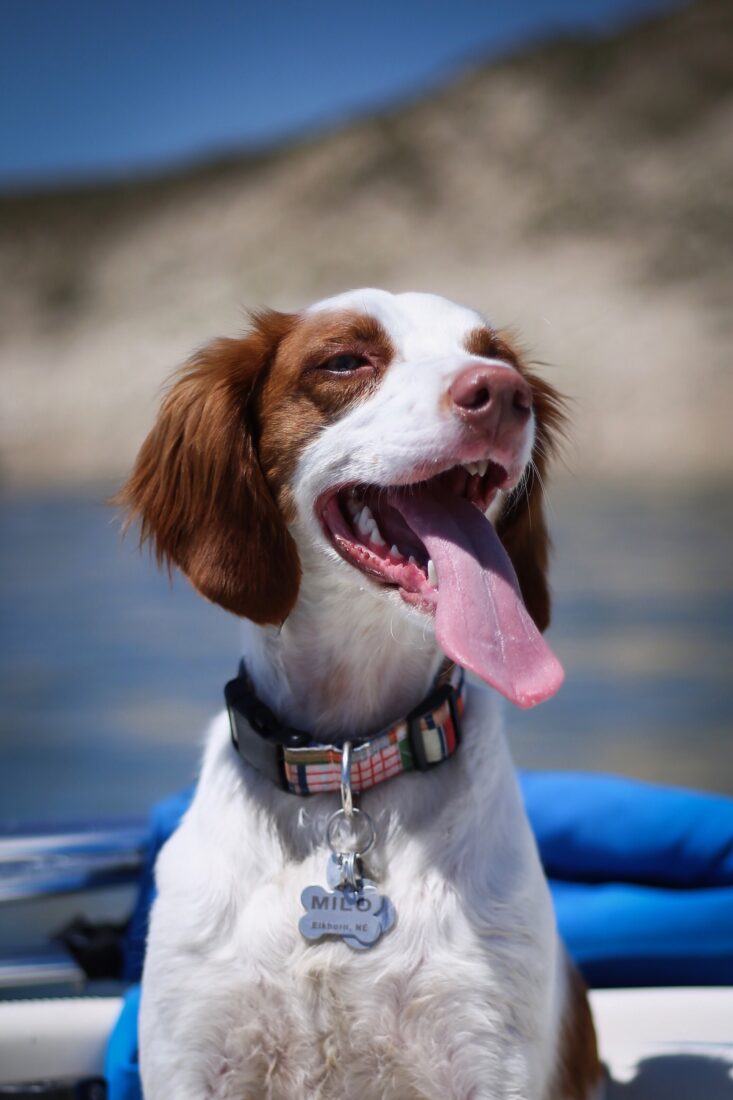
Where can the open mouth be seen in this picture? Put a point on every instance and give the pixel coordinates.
(431, 541)
(366, 525)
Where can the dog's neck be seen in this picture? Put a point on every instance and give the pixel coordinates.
(348, 660)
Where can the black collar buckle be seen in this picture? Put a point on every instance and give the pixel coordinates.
(264, 750)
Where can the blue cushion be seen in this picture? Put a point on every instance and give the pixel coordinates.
(121, 1066)
(164, 820)
(600, 828)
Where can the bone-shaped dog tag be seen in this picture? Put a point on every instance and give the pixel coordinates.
(357, 915)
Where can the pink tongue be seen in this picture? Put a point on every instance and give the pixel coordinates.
(481, 621)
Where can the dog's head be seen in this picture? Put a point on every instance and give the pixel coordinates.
(373, 435)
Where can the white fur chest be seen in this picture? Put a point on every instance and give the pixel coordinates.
(458, 1000)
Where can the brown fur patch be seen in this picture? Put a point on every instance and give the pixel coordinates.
(523, 526)
(299, 397)
(489, 343)
(210, 484)
(198, 489)
(578, 1069)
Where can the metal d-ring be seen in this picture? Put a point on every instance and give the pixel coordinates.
(357, 817)
(347, 798)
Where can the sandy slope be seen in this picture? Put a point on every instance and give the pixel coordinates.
(582, 193)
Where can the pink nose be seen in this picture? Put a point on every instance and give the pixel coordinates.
(495, 400)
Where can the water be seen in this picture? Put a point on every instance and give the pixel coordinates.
(109, 673)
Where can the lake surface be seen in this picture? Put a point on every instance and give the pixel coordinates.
(109, 672)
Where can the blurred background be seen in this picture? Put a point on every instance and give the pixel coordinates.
(565, 167)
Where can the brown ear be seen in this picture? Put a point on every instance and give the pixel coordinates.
(197, 487)
(523, 527)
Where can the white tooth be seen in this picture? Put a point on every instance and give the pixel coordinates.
(395, 552)
(470, 467)
(483, 467)
(432, 575)
(368, 526)
(411, 560)
(365, 520)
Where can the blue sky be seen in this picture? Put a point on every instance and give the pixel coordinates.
(95, 88)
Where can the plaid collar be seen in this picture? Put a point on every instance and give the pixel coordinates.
(294, 761)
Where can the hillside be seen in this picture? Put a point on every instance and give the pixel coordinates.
(581, 193)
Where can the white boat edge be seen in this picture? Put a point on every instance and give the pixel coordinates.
(647, 1037)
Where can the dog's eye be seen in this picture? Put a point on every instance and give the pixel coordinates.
(342, 364)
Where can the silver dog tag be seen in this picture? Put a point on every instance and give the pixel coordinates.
(353, 909)
(359, 915)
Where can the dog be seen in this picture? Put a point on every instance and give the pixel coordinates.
(361, 483)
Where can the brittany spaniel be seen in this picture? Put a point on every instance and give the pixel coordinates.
(361, 484)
